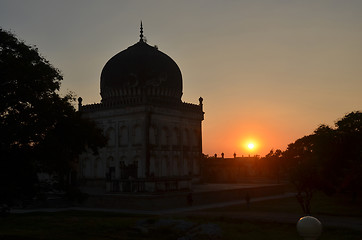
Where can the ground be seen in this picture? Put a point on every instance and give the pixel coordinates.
(268, 219)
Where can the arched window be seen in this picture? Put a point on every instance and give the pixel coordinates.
(164, 136)
(166, 171)
(175, 137)
(195, 138)
(153, 170)
(98, 168)
(111, 134)
(196, 166)
(122, 168)
(153, 135)
(123, 136)
(177, 166)
(110, 162)
(185, 169)
(190, 166)
(85, 167)
(111, 168)
(134, 166)
(186, 138)
(137, 135)
(158, 167)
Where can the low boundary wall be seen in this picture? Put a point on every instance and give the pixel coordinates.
(200, 196)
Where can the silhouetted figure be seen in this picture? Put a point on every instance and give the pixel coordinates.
(222, 155)
(190, 200)
(304, 202)
(234, 155)
(247, 200)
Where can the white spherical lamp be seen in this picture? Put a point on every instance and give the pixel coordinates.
(309, 228)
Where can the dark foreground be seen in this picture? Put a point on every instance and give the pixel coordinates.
(270, 219)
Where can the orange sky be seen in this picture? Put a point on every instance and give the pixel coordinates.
(268, 70)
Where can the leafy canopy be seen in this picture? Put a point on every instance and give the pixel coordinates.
(39, 129)
(28, 93)
(329, 160)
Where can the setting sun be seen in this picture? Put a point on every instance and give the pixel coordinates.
(251, 146)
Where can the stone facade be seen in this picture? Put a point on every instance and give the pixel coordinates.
(145, 142)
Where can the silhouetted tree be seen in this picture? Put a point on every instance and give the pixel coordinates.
(349, 139)
(34, 120)
(272, 164)
(303, 170)
(329, 160)
(58, 153)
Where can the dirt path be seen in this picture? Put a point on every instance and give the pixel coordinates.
(206, 211)
(272, 217)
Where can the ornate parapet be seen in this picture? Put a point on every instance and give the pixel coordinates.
(119, 103)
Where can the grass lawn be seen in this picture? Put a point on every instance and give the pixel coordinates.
(337, 206)
(273, 231)
(321, 205)
(98, 225)
(66, 225)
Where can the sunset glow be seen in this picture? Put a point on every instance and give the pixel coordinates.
(249, 146)
(252, 64)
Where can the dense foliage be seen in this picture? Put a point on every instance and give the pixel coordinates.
(40, 131)
(329, 160)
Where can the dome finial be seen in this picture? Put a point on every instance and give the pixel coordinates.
(141, 31)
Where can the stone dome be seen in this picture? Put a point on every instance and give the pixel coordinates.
(141, 72)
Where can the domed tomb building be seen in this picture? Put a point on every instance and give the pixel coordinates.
(154, 139)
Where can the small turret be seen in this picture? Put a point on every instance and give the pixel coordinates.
(80, 103)
(200, 103)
